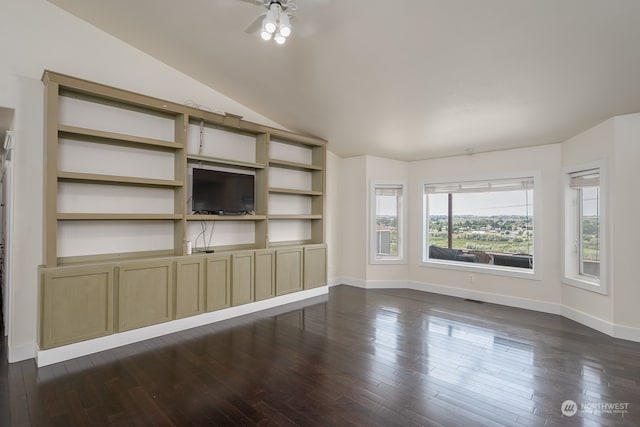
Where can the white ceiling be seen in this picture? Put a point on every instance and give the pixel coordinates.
(404, 79)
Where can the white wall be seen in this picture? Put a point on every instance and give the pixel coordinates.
(353, 220)
(546, 161)
(39, 36)
(626, 207)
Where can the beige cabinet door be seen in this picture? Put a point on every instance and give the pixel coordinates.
(265, 280)
(190, 287)
(315, 266)
(242, 278)
(218, 282)
(145, 294)
(288, 270)
(76, 304)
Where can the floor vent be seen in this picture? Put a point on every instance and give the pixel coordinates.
(474, 300)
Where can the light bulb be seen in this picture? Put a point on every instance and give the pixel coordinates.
(285, 25)
(265, 35)
(280, 39)
(271, 18)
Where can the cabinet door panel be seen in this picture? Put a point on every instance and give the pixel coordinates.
(145, 294)
(77, 305)
(315, 266)
(218, 282)
(288, 271)
(265, 274)
(242, 278)
(190, 288)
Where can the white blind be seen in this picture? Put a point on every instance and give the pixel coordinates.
(512, 184)
(389, 190)
(586, 178)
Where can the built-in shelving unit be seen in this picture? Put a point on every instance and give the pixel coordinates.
(118, 176)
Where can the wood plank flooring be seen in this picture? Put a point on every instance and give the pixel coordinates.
(355, 358)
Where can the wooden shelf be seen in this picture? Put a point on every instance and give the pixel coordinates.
(310, 216)
(225, 162)
(198, 217)
(294, 165)
(115, 138)
(116, 180)
(295, 192)
(115, 216)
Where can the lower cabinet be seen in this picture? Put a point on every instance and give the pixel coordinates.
(288, 270)
(315, 266)
(265, 277)
(190, 287)
(145, 294)
(242, 278)
(76, 304)
(218, 282)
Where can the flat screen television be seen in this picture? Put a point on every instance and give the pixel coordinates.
(222, 193)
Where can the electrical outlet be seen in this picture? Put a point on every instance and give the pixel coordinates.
(470, 278)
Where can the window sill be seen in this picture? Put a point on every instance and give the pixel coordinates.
(515, 272)
(390, 261)
(587, 285)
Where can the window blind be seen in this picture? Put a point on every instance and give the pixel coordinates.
(483, 186)
(393, 191)
(586, 178)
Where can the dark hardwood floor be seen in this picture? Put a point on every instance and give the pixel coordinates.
(355, 358)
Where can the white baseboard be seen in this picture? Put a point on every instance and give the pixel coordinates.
(71, 351)
(351, 281)
(18, 353)
(601, 325)
(593, 322)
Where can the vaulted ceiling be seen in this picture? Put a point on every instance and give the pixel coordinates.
(403, 79)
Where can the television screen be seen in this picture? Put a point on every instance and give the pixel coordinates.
(222, 193)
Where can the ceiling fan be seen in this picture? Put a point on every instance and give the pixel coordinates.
(275, 23)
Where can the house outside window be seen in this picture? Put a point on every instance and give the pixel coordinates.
(481, 224)
(585, 227)
(388, 209)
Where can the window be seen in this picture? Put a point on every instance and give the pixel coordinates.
(584, 227)
(387, 236)
(481, 224)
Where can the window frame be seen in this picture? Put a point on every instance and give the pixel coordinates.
(572, 214)
(402, 223)
(532, 274)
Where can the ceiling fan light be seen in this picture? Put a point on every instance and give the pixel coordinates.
(285, 25)
(265, 35)
(271, 18)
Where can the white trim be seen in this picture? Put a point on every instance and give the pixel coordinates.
(570, 261)
(352, 281)
(585, 319)
(71, 351)
(601, 325)
(18, 353)
(534, 274)
(403, 223)
(525, 303)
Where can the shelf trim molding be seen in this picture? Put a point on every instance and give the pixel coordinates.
(114, 137)
(226, 162)
(76, 216)
(117, 180)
